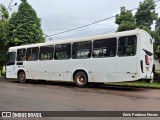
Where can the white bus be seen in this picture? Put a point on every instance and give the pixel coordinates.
(115, 57)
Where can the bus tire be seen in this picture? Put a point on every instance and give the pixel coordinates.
(81, 79)
(22, 77)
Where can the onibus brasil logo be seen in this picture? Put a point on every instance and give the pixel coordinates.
(21, 114)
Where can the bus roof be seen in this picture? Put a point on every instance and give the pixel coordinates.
(95, 37)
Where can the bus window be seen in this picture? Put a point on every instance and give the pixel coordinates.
(104, 48)
(32, 54)
(21, 54)
(81, 50)
(46, 53)
(127, 46)
(62, 51)
(11, 58)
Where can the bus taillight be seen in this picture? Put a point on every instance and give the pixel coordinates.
(147, 60)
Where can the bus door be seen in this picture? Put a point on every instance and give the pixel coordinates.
(10, 65)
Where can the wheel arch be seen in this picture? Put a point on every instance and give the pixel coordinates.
(81, 70)
(20, 70)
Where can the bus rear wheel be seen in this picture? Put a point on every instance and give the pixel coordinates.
(81, 79)
(22, 77)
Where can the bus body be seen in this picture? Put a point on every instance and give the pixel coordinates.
(115, 57)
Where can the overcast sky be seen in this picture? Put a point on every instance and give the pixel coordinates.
(61, 15)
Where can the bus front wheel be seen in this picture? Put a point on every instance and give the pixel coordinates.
(81, 79)
(22, 77)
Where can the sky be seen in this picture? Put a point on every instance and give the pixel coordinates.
(61, 15)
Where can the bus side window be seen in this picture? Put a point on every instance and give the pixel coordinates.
(32, 54)
(127, 46)
(104, 48)
(62, 51)
(81, 50)
(21, 54)
(46, 53)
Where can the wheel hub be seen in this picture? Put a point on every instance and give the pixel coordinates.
(80, 79)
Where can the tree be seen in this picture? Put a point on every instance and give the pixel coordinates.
(24, 26)
(4, 15)
(157, 23)
(158, 51)
(157, 38)
(3, 12)
(146, 14)
(125, 20)
(143, 19)
(3, 33)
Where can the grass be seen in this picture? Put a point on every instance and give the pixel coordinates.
(141, 84)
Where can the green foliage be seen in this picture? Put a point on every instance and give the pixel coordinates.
(141, 84)
(157, 33)
(3, 33)
(3, 25)
(157, 23)
(158, 51)
(4, 13)
(156, 36)
(146, 13)
(125, 20)
(158, 75)
(142, 19)
(146, 29)
(145, 16)
(24, 26)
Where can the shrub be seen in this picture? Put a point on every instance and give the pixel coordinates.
(158, 51)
